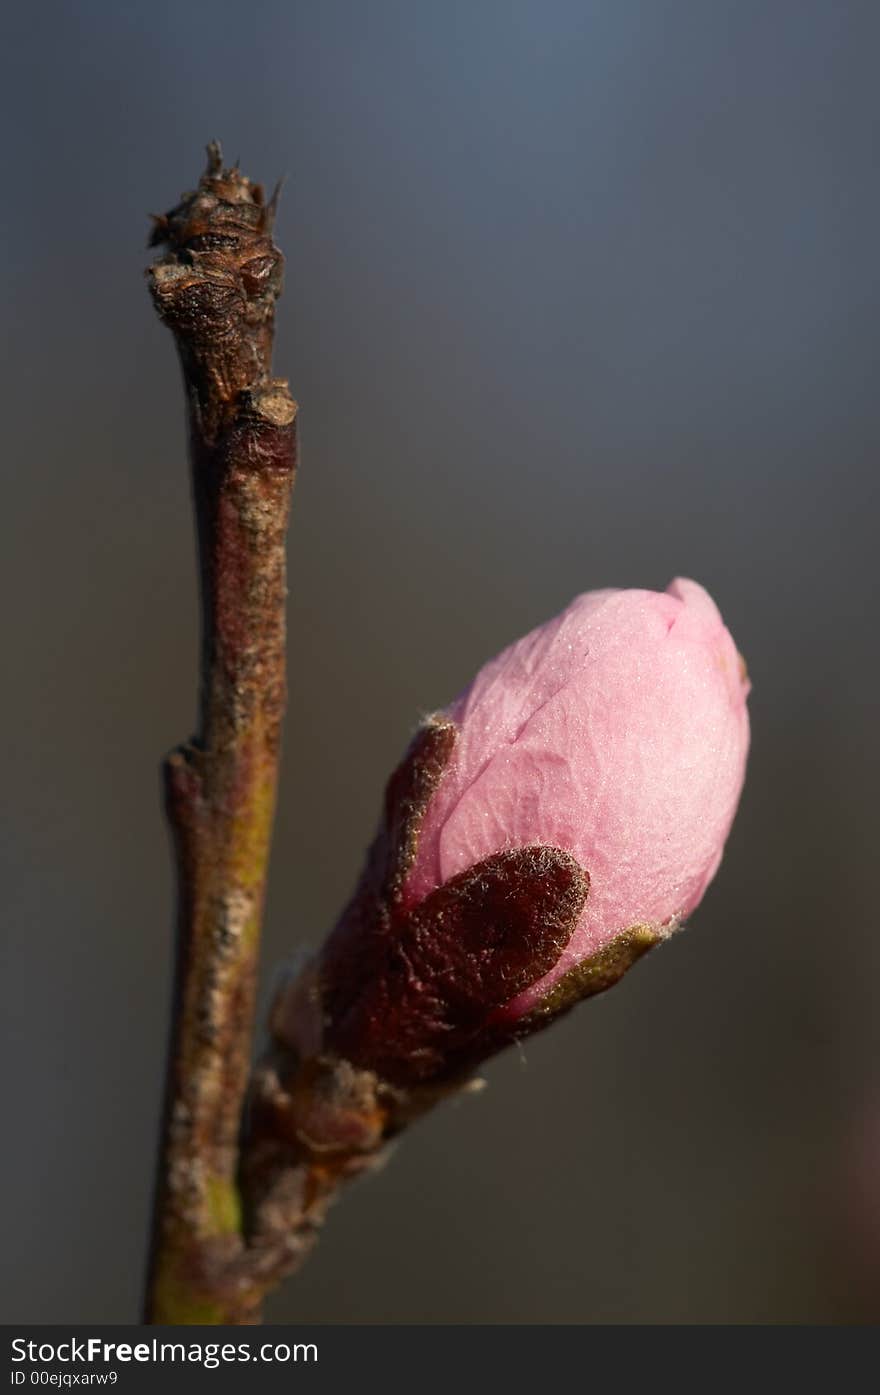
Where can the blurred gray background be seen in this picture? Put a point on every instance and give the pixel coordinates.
(578, 294)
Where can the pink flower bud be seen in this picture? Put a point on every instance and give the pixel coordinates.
(617, 731)
(563, 816)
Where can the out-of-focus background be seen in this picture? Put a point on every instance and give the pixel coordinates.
(578, 294)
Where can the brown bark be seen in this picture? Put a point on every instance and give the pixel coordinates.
(216, 287)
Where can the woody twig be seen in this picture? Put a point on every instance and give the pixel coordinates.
(215, 286)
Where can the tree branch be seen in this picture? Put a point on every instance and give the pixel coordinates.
(216, 287)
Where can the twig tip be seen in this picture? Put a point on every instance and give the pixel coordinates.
(215, 158)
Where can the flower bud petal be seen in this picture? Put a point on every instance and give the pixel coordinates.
(561, 818)
(618, 731)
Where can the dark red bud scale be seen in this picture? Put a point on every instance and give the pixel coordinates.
(411, 992)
